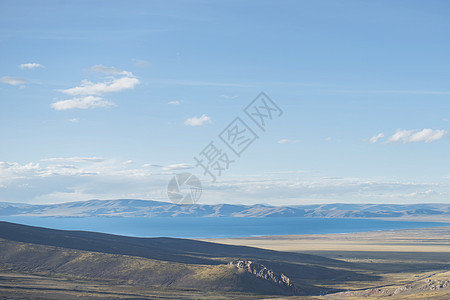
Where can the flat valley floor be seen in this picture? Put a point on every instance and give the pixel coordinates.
(412, 263)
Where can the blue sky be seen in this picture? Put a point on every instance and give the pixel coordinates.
(109, 99)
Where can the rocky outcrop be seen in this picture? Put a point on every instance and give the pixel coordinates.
(261, 271)
(415, 288)
(437, 284)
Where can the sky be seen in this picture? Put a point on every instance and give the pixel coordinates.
(111, 99)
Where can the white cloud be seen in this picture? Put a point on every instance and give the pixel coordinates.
(74, 120)
(30, 66)
(88, 92)
(198, 121)
(428, 135)
(12, 81)
(73, 159)
(90, 88)
(228, 97)
(18, 168)
(79, 178)
(111, 70)
(286, 141)
(375, 138)
(82, 178)
(198, 83)
(171, 167)
(151, 166)
(310, 189)
(174, 102)
(141, 63)
(400, 136)
(415, 136)
(174, 167)
(82, 103)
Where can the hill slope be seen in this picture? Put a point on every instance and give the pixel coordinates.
(165, 262)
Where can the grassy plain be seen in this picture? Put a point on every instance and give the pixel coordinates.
(408, 264)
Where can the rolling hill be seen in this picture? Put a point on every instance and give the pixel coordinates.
(166, 262)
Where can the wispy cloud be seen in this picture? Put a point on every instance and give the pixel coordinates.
(111, 70)
(175, 167)
(82, 178)
(82, 103)
(323, 190)
(411, 136)
(73, 159)
(171, 167)
(30, 66)
(176, 102)
(88, 94)
(197, 83)
(12, 80)
(394, 92)
(151, 166)
(62, 179)
(228, 97)
(377, 137)
(140, 63)
(89, 88)
(194, 121)
(416, 136)
(287, 141)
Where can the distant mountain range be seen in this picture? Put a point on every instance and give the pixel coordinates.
(148, 208)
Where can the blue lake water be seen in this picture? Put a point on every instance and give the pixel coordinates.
(194, 227)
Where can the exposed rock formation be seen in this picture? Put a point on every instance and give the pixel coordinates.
(263, 272)
(437, 284)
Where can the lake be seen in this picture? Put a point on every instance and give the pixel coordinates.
(197, 227)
